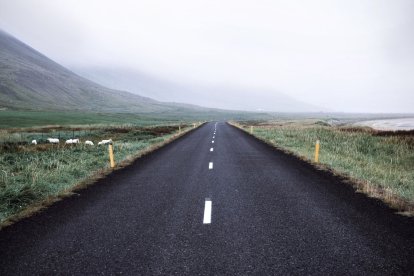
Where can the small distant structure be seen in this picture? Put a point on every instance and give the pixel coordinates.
(34, 142)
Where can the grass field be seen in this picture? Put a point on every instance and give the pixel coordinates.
(24, 119)
(31, 173)
(382, 161)
(20, 119)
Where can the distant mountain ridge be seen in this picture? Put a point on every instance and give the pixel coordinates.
(30, 80)
(217, 96)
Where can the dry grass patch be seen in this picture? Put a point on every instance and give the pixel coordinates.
(378, 163)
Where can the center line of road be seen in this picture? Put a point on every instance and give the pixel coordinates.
(211, 149)
(210, 165)
(212, 141)
(207, 211)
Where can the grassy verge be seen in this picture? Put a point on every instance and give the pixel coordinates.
(25, 118)
(34, 175)
(379, 163)
(20, 119)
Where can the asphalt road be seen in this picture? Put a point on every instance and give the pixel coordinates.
(271, 214)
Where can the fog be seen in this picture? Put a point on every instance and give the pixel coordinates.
(345, 56)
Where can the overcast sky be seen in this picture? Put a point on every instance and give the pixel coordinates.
(350, 55)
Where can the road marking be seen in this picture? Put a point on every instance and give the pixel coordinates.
(211, 149)
(212, 141)
(207, 211)
(210, 165)
(214, 136)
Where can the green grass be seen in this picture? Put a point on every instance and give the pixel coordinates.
(24, 118)
(31, 173)
(19, 119)
(386, 162)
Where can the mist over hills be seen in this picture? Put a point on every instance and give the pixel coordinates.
(214, 96)
(30, 80)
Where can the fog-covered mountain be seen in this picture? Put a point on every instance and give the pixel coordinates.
(30, 80)
(216, 96)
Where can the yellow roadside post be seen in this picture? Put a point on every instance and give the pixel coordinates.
(111, 155)
(317, 151)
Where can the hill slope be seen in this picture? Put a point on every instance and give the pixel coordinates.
(218, 96)
(30, 80)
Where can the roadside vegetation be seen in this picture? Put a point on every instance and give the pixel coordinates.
(31, 118)
(31, 174)
(380, 163)
(23, 119)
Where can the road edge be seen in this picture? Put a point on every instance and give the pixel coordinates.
(39, 206)
(400, 205)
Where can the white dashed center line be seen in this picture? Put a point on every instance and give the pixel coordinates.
(212, 141)
(211, 149)
(207, 211)
(210, 165)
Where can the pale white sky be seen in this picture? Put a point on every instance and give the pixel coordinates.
(350, 55)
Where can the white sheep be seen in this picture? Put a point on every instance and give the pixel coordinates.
(104, 142)
(53, 140)
(90, 143)
(34, 142)
(72, 141)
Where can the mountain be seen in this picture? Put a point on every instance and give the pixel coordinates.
(30, 80)
(217, 96)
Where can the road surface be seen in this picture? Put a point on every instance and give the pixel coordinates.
(194, 207)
